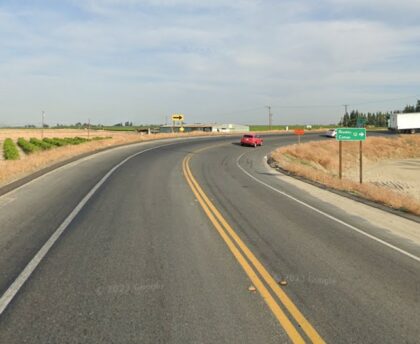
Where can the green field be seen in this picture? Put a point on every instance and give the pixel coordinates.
(116, 128)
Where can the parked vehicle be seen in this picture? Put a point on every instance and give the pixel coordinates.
(331, 133)
(404, 122)
(251, 140)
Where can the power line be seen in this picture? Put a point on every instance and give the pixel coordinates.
(305, 106)
(385, 100)
(240, 111)
(311, 106)
(337, 105)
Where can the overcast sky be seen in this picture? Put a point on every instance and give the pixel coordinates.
(213, 60)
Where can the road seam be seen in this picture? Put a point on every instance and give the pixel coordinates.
(14, 288)
(383, 242)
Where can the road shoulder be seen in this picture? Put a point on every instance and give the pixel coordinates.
(399, 226)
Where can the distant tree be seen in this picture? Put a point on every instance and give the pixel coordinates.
(353, 118)
(370, 119)
(118, 125)
(378, 119)
(381, 119)
(346, 120)
(409, 109)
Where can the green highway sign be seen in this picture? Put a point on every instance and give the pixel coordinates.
(360, 123)
(351, 134)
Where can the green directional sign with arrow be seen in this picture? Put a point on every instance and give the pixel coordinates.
(351, 134)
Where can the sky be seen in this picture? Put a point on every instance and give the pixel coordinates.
(113, 61)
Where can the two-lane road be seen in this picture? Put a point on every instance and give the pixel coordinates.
(166, 249)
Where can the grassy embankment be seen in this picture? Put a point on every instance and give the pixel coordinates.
(318, 161)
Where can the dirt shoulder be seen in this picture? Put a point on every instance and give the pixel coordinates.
(402, 176)
(391, 168)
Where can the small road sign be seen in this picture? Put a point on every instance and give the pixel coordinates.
(351, 134)
(177, 117)
(360, 123)
(299, 133)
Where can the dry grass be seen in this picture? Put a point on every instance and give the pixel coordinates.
(318, 161)
(13, 170)
(28, 133)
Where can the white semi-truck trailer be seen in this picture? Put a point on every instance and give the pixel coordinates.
(404, 122)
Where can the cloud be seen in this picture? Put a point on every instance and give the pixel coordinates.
(208, 57)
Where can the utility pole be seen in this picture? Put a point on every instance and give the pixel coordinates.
(42, 124)
(345, 111)
(270, 117)
(88, 128)
(345, 108)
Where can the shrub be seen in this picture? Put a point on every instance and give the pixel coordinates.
(10, 151)
(56, 141)
(40, 143)
(26, 146)
(98, 138)
(75, 140)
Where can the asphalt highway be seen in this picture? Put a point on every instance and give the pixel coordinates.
(187, 241)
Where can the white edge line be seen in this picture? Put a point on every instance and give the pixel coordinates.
(383, 242)
(94, 154)
(14, 288)
(68, 165)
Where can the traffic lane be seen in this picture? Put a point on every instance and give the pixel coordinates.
(140, 264)
(255, 164)
(31, 213)
(297, 215)
(351, 288)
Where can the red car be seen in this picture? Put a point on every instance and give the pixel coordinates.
(251, 140)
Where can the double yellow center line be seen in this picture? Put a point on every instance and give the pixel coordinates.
(259, 276)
